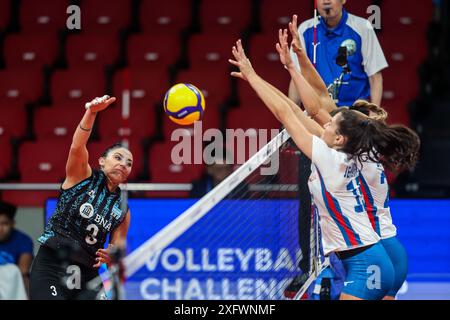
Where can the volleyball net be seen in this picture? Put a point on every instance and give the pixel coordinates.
(240, 241)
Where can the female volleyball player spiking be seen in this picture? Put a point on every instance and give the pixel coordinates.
(88, 210)
(335, 191)
(374, 186)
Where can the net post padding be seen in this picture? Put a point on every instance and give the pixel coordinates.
(136, 259)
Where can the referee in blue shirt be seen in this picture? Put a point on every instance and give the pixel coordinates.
(337, 29)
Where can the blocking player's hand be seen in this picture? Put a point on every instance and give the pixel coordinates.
(100, 103)
(283, 49)
(296, 43)
(241, 61)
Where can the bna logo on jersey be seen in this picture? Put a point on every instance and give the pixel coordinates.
(350, 44)
(87, 210)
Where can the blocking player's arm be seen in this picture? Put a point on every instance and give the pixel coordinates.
(308, 70)
(277, 105)
(77, 166)
(283, 112)
(310, 99)
(310, 125)
(315, 106)
(312, 77)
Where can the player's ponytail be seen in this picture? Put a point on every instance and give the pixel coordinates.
(396, 146)
(366, 107)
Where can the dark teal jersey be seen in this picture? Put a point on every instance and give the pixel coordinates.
(85, 214)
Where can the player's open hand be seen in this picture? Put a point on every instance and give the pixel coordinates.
(100, 103)
(102, 257)
(283, 48)
(241, 61)
(296, 43)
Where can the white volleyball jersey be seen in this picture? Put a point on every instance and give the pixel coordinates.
(375, 191)
(336, 196)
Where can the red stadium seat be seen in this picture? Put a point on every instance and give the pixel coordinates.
(400, 79)
(254, 116)
(96, 149)
(5, 6)
(167, 17)
(76, 87)
(262, 51)
(275, 75)
(164, 170)
(48, 16)
(5, 159)
(359, 8)
(147, 86)
(225, 17)
(140, 124)
(56, 123)
(30, 51)
(215, 87)
(209, 51)
(252, 113)
(411, 51)
(43, 161)
(92, 50)
(402, 18)
(103, 16)
(276, 14)
(28, 198)
(13, 120)
(256, 122)
(397, 93)
(18, 85)
(152, 51)
(288, 170)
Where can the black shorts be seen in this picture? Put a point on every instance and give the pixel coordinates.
(52, 278)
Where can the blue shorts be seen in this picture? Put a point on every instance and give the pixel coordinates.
(369, 274)
(399, 259)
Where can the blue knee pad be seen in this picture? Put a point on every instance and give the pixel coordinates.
(399, 258)
(369, 274)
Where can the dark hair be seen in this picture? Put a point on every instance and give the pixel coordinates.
(8, 209)
(396, 146)
(112, 147)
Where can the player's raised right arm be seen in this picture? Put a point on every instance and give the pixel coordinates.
(77, 166)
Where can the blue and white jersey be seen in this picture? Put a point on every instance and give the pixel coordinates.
(365, 56)
(375, 191)
(337, 197)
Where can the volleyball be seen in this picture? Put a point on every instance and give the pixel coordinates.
(184, 104)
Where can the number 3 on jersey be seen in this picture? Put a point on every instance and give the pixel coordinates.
(91, 238)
